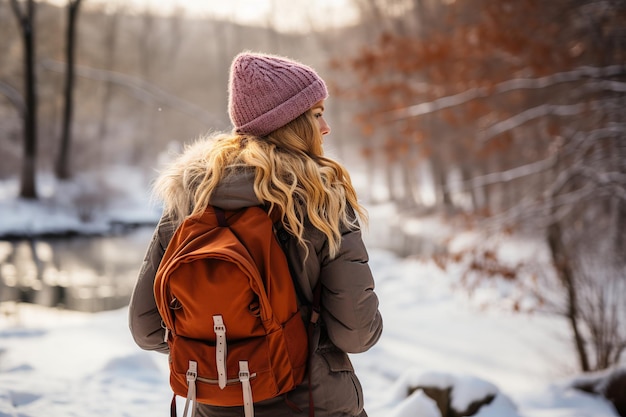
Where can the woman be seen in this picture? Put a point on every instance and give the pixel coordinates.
(274, 157)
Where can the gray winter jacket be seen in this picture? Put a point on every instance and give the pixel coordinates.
(350, 321)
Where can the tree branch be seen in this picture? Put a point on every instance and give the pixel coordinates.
(542, 110)
(21, 16)
(14, 97)
(607, 85)
(614, 180)
(510, 85)
(611, 129)
(141, 89)
(573, 146)
(508, 175)
(543, 212)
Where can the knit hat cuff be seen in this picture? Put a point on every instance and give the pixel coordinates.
(287, 111)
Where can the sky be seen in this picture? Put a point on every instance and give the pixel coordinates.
(287, 15)
(59, 363)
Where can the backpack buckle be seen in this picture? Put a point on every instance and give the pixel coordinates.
(244, 377)
(192, 372)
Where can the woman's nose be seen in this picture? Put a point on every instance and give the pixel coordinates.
(324, 127)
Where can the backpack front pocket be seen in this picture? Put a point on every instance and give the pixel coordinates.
(254, 351)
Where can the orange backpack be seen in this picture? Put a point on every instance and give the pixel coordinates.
(230, 310)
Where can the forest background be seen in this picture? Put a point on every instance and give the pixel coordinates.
(506, 117)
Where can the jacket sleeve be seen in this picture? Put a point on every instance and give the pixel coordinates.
(143, 316)
(349, 303)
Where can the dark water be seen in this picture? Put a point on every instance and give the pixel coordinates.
(78, 273)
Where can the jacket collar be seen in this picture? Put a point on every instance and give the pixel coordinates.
(236, 191)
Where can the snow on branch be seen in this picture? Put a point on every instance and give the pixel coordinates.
(609, 85)
(436, 105)
(514, 84)
(615, 180)
(509, 175)
(573, 146)
(579, 138)
(542, 110)
(530, 114)
(561, 77)
(141, 89)
(543, 211)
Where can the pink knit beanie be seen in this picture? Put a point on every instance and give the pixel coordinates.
(268, 91)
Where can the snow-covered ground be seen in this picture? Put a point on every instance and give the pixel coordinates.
(56, 363)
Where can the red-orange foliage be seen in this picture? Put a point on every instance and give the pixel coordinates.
(522, 99)
(446, 80)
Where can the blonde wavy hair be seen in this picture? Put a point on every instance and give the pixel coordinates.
(291, 175)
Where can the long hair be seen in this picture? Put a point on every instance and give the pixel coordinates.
(291, 175)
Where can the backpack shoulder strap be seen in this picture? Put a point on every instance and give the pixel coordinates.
(221, 216)
(283, 237)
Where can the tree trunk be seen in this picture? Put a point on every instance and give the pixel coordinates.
(148, 55)
(409, 174)
(26, 21)
(62, 168)
(390, 182)
(440, 183)
(468, 188)
(620, 227)
(618, 164)
(566, 276)
(110, 45)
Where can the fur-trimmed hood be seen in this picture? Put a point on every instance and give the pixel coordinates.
(175, 185)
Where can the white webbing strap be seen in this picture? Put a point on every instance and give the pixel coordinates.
(192, 375)
(244, 377)
(220, 349)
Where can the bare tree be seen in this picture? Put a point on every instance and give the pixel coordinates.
(542, 149)
(149, 55)
(110, 46)
(26, 20)
(62, 168)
